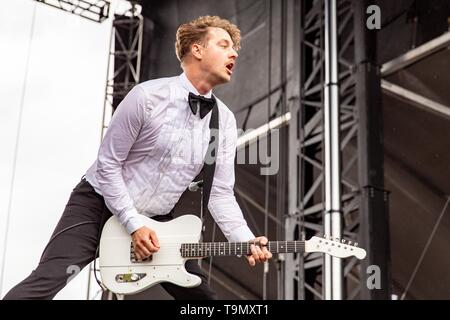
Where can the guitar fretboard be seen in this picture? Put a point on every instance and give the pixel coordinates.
(207, 249)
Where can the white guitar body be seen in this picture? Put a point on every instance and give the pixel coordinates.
(166, 265)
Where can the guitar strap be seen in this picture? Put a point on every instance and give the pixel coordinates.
(209, 164)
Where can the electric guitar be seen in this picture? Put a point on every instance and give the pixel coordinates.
(179, 239)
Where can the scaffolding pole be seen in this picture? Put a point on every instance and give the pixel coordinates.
(333, 273)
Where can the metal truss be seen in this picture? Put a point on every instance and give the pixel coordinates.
(124, 62)
(94, 10)
(304, 274)
(405, 60)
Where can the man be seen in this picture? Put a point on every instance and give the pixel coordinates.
(146, 160)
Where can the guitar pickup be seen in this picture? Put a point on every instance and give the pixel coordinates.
(129, 277)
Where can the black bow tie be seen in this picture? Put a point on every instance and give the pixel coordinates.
(206, 104)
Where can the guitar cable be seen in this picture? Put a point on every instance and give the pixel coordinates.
(96, 250)
(95, 271)
(64, 230)
(100, 228)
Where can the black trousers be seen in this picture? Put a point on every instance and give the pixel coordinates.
(74, 244)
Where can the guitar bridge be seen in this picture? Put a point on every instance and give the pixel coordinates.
(129, 277)
(133, 256)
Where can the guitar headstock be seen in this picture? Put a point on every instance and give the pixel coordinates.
(336, 248)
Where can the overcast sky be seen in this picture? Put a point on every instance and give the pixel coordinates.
(60, 126)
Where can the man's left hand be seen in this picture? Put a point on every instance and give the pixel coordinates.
(259, 252)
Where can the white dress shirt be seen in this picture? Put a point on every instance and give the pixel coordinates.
(155, 146)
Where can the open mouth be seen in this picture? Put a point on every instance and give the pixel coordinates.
(230, 67)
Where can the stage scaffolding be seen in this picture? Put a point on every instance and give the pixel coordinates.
(364, 201)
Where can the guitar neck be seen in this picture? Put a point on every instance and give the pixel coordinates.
(209, 249)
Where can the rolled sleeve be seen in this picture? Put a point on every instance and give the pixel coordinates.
(222, 203)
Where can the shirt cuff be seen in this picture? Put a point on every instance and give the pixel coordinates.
(134, 222)
(241, 234)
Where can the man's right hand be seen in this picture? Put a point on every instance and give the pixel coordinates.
(145, 242)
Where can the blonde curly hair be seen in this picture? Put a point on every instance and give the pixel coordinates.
(196, 30)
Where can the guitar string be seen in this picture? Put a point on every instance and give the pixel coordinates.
(226, 244)
(195, 248)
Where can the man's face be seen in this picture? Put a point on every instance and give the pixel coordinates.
(219, 57)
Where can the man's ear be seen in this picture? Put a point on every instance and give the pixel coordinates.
(197, 51)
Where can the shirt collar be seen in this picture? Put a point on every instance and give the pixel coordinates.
(186, 84)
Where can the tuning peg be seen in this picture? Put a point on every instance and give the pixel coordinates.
(343, 241)
(356, 244)
(349, 243)
(325, 236)
(337, 239)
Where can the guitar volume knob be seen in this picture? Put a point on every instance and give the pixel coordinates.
(134, 277)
